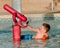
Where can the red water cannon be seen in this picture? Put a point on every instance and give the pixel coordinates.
(16, 28)
(14, 12)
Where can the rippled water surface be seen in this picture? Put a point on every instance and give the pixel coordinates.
(6, 35)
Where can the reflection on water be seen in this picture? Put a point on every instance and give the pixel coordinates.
(16, 44)
(51, 43)
(33, 44)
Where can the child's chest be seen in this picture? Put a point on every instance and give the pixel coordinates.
(40, 35)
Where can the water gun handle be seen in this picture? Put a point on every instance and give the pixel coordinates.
(27, 22)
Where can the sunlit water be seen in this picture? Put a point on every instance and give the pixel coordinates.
(6, 35)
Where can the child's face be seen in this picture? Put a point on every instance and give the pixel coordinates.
(43, 29)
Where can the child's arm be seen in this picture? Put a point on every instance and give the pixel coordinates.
(31, 28)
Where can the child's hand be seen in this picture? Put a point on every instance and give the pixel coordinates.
(25, 24)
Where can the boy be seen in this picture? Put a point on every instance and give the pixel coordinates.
(41, 33)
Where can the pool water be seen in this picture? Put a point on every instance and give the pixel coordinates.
(6, 35)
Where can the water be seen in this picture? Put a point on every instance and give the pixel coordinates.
(6, 35)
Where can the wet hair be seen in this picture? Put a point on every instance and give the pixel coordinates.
(47, 26)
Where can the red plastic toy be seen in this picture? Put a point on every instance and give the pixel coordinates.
(16, 28)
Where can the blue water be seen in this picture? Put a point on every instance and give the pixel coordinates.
(6, 35)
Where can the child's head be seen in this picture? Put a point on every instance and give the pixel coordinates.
(47, 26)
